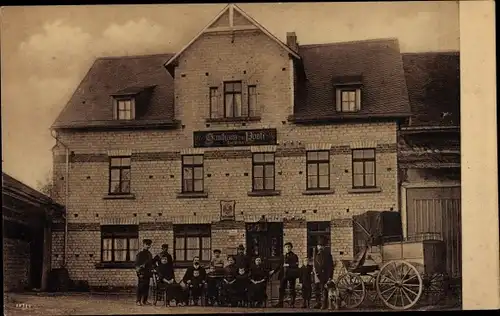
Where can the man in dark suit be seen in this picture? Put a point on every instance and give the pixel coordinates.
(323, 271)
(287, 274)
(164, 253)
(241, 259)
(144, 267)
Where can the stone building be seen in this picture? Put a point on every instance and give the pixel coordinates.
(27, 218)
(238, 138)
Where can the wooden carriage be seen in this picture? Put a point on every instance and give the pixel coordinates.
(401, 272)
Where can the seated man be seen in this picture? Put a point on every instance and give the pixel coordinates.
(194, 278)
(228, 282)
(167, 281)
(257, 287)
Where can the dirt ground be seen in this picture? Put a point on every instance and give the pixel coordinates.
(112, 304)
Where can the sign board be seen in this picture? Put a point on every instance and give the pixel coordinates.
(227, 210)
(232, 138)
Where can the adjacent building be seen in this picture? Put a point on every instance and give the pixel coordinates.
(238, 138)
(27, 220)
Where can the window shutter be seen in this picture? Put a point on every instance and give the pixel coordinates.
(358, 99)
(338, 100)
(132, 108)
(115, 109)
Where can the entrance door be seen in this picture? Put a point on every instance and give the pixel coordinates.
(265, 239)
(437, 210)
(36, 258)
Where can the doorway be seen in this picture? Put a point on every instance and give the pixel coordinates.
(36, 258)
(266, 240)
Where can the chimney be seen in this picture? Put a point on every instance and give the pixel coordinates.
(291, 41)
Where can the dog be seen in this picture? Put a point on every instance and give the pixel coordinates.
(333, 295)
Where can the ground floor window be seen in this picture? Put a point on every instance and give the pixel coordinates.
(191, 241)
(316, 230)
(119, 243)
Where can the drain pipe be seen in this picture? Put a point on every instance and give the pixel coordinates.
(66, 198)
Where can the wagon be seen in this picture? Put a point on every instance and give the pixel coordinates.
(402, 272)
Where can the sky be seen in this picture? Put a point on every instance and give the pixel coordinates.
(46, 51)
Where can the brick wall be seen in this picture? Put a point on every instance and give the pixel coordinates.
(16, 264)
(156, 164)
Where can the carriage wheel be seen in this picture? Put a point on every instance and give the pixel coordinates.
(434, 287)
(351, 290)
(399, 285)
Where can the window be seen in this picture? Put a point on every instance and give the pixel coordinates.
(318, 170)
(316, 230)
(119, 175)
(348, 100)
(263, 171)
(363, 168)
(191, 241)
(214, 103)
(252, 100)
(125, 109)
(119, 243)
(192, 173)
(232, 100)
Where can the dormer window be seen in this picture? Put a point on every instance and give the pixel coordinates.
(125, 108)
(348, 94)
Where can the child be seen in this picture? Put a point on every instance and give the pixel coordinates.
(257, 287)
(196, 285)
(212, 286)
(166, 279)
(306, 281)
(228, 282)
(217, 261)
(241, 286)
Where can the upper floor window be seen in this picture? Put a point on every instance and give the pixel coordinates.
(124, 109)
(119, 175)
(119, 243)
(192, 173)
(348, 99)
(263, 171)
(233, 106)
(318, 170)
(363, 168)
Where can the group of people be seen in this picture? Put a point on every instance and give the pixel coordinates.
(238, 281)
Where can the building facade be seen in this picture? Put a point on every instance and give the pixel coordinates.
(238, 138)
(27, 220)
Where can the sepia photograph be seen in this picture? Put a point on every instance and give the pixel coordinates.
(249, 158)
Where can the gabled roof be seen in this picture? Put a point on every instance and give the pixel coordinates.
(433, 81)
(10, 186)
(228, 15)
(377, 63)
(92, 102)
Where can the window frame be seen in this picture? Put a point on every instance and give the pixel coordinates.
(118, 101)
(199, 231)
(364, 160)
(317, 162)
(120, 168)
(113, 232)
(234, 93)
(340, 90)
(263, 164)
(192, 167)
(314, 234)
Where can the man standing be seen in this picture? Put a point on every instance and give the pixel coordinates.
(241, 259)
(323, 271)
(287, 274)
(164, 253)
(143, 267)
